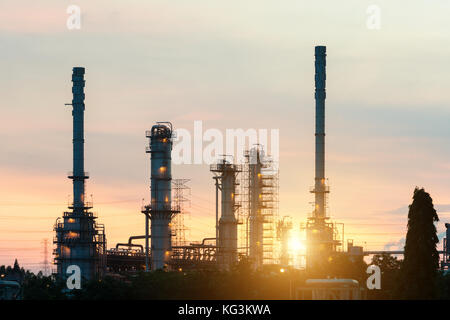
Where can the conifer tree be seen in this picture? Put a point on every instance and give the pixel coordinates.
(420, 267)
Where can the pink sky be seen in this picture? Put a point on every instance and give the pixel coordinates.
(239, 64)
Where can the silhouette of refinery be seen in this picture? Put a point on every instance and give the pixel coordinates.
(248, 225)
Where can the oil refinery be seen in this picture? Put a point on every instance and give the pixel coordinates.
(224, 158)
(248, 225)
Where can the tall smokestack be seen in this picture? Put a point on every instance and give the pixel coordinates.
(320, 95)
(321, 243)
(80, 241)
(79, 175)
(321, 235)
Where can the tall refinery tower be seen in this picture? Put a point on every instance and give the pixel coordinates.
(320, 188)
(225, 175)
(79, 240)
(320, 234)
(260, 199)
(255, 218)
(160, 210)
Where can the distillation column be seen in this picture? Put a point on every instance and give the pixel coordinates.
(160, 210)
(227, 242)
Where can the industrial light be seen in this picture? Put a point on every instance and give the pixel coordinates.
(72, 235)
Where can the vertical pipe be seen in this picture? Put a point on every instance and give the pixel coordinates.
(217, 211)
(78, 137)
(320, 95)
(146, 242)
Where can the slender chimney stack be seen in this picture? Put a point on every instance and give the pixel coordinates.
(79, 175)
(320, 234)
(320, 95)
(81, 242)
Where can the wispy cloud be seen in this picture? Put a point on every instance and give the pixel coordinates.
(404, 210)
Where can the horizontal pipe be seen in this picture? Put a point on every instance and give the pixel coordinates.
(206, 239)
(130, 239)
(390, 252)
(129, 246)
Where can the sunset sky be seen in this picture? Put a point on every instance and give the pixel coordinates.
(232, 64)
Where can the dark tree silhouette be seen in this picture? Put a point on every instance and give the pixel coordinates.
(390, 272)
(16, 267)
(345, 266)
(419, 270)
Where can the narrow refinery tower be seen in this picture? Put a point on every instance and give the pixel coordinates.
(79, 239)
(160, 210)
(260, 204)
(320, 188)
(225, 176)
(320, 234)
(255, 218)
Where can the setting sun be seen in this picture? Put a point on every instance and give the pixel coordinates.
(296, 245)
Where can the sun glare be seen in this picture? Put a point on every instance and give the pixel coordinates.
(296, 245)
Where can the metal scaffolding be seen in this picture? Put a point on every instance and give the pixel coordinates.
(260, 190)
(180, 202)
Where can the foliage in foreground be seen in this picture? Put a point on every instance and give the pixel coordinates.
(419, 271)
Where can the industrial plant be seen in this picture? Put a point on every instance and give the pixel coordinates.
(248, 225)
